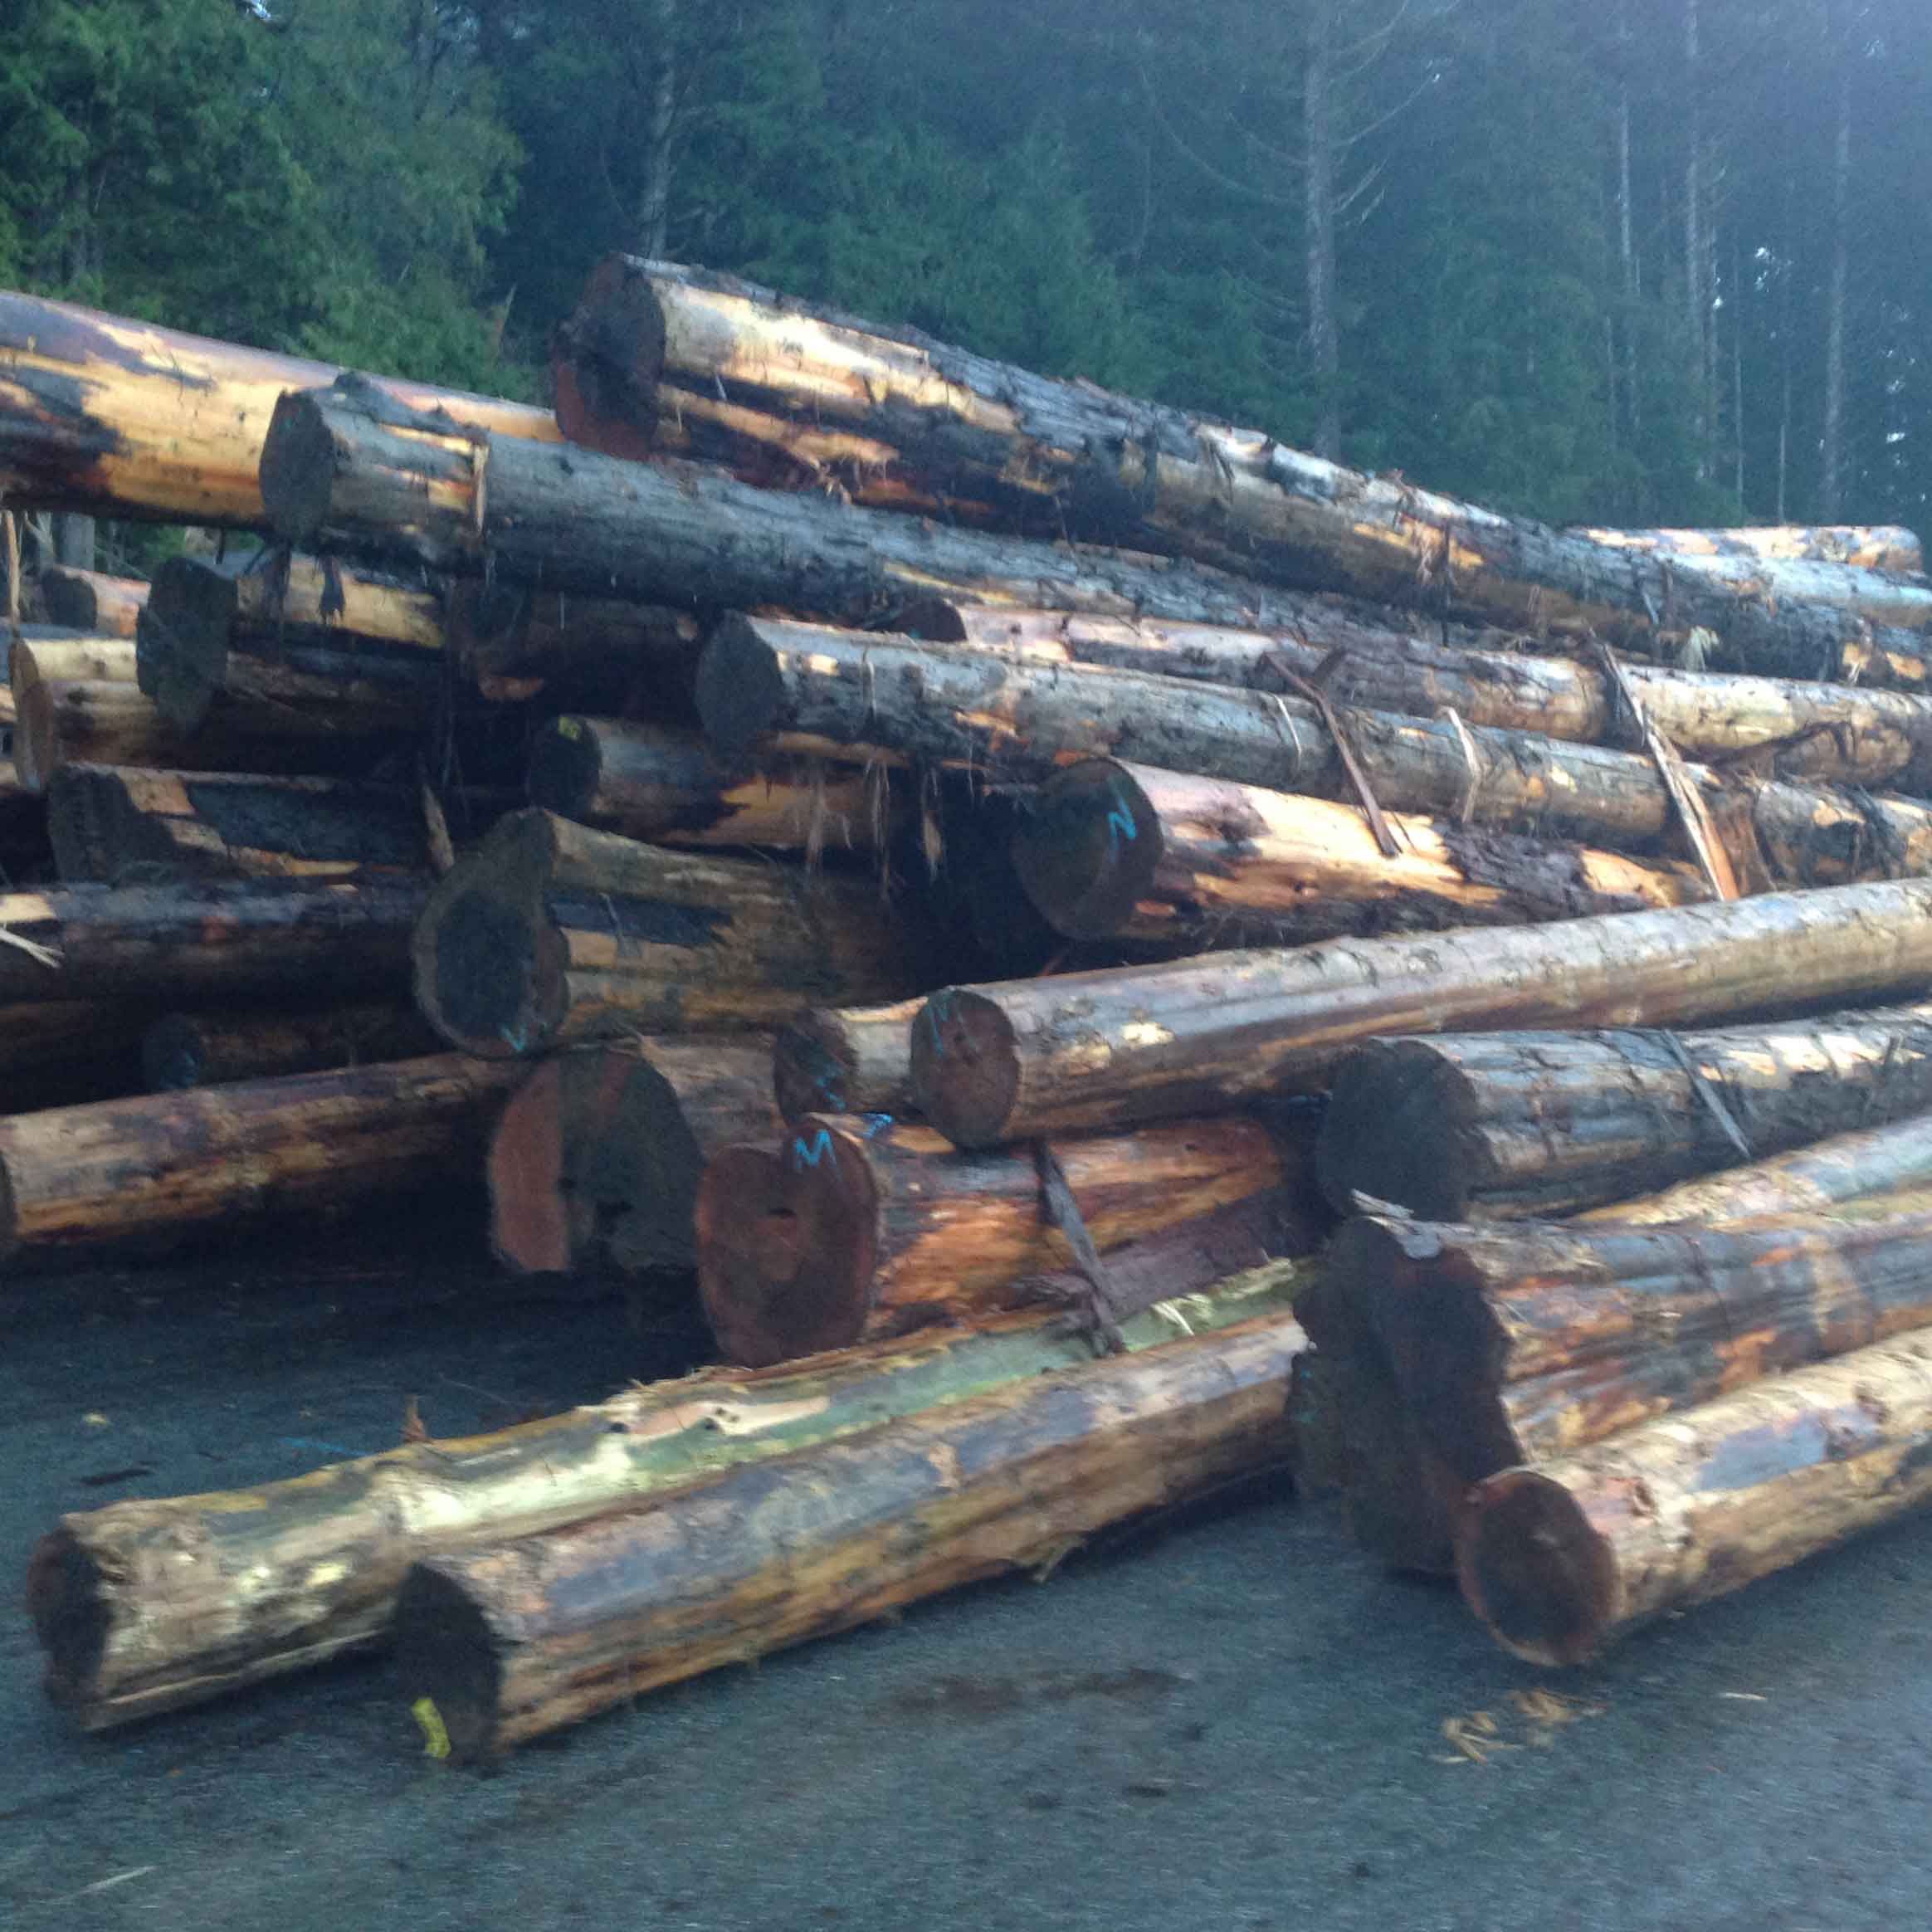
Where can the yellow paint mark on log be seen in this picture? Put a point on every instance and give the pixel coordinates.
(436, 1737)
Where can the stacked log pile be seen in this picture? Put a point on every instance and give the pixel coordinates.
(896, 855)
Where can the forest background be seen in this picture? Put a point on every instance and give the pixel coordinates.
(1621, 260)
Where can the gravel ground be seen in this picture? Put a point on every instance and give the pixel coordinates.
(1227, 1721)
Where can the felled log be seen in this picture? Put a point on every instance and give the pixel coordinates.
(1112, 850)
(845, 1060)
(330, 650)
(547, 933)
(918, 423)
(153, 1167)
(198, 1050)
(1506, 1126)
(1874, 547)
(599, 1153)
(1513, 1345)
(1561, 1560)
(121, 418)
(1012, 1062)
(632, 660)
(77, 659)
(655, 782)
(109, 822)
(85, 600)
(1894, 1158)
(346, 469)
(512, 1643)
(150, 1605)
(857, 1228)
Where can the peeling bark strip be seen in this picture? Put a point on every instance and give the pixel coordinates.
(120, 418)
(860, 1229)
(1112, 850)
(598, 1155)
(516, 1642)
(1513, 1345)
(846, 1060)
(86, 601)
(136, 1170)
(1562, 1560)
(1015, 1061)
(661, 357)
(198, 1050)
(547, 933)
(655, 782)
(1510, 1126)
(1872, 547)
(155, 1605)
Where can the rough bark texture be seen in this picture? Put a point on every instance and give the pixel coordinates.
(631, 660)
(1479, 1127)
(196, 1050)
(547, 933)
(598, 1155)
(108, 822)
(150, 1606)
(856, 1228)
(1012, 1061)
(1514, 1344)
(1872, 547)
(106, 414)
(513, 1642)
(134, 1170)
(1112, 850)
(1561, 1560)
(846, 1060)
(85, 600)
(655, 782)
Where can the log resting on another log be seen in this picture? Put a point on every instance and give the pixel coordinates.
(78, 660)
(846, 1060)
(603, 654)
(198, 1050)
(1012, 1062)
(1873, 547)
(85, 600)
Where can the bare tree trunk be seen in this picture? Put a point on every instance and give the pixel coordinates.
(1832, 486)
(1698, 312)
(74, 541)
(654, 209)
(1318, 112)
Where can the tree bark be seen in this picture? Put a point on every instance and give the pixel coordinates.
(86, 601)
(120, 418)
(1013, 1062)
(511, 1643)
(846, 1060)
(1510, 1126)
(655, 782)
(858, 1228)
(907, 423)
(108, 822)
(547, 933)
(1560, 1561)
(1514, 1344)
(123, 1171)
(599, 1154)
(1118, 850)
(153, 1605)
(182, 1050)
(1888, 547)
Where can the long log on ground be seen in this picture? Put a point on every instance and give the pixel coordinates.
(1509, 1126)
(199, 1050)
(857, 1228)
(1894, 1158)
(632, 660)
(85, 600)
(332, 651)
(846, 1060)
(598, 1155)
(108, 822)
(655, 782)
(1873, 547)
(1561, 1560)
(1014, 1061)
(121, 1171)
(148, 1606)
(122, 418)
(547, 933)
(346, 469)
(1512, 1344)
(509, 1643)
(916, 423)
(1111, 850)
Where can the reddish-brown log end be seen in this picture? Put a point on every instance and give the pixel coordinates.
(70, 1614)
(530, 1230)
(965, 1067)
(606, 361)
(1538, 1576)
(1087, 848)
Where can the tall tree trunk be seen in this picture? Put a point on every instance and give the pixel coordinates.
(653, 208)
(1832, 487)
(1697, 296)
(1319, 216)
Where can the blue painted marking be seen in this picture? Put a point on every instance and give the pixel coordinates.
(1120, 820)
(875, 1124)
(821, 1146)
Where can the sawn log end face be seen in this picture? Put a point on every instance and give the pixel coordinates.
(738, 689)
(1392, 1130)
(297, 467)
(1533, 1570)
(607, 361)
(1088, 849)
(965, 1067)
(446, 1653)
(70, 1614)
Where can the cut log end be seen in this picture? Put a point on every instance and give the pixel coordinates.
(493, 983)
(739, 689)
(447, 1659)
(1088, 849)
(1533, 1569)
(608, 360)
(171, 1054)
(566, 768)
(965, 1067)
(1392, 1130)
(69, 1606)
(297, 467)
(786, 1246)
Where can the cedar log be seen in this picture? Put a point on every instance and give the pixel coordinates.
(85, 600)
(198, 1050)
(1014, 1061)
(846, 1060)
(77, 659)
(1875, 547)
